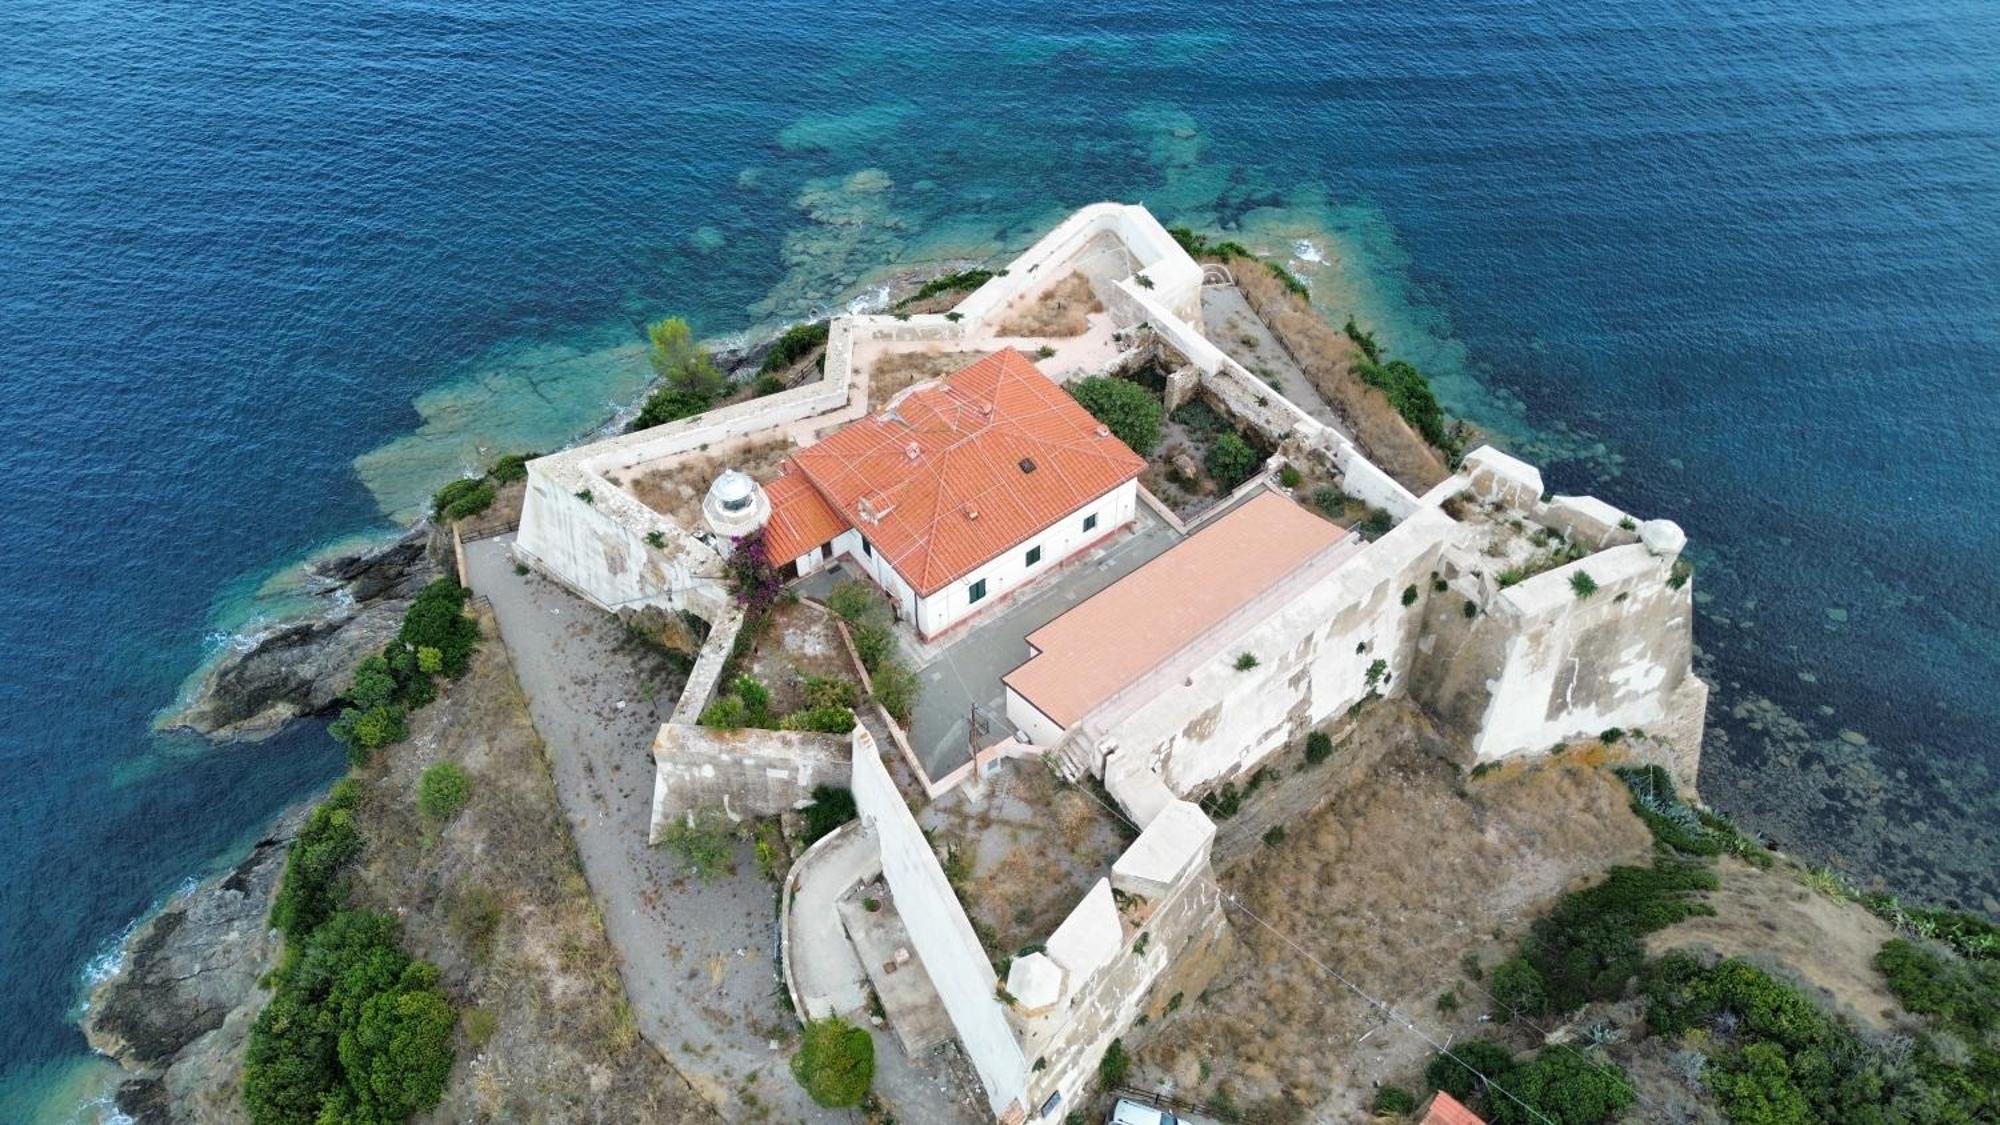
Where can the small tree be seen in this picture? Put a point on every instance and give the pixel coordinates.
(443, 791)
(1128, 410)
(751, 577)
(1518, 988)
(835, 1062)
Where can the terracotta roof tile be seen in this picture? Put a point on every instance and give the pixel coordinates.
(801, 519)
(1447, 1110)
(1117, 635)
(951, 474)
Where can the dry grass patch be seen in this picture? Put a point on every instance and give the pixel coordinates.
(677, 490)
(1061, 310)
(1326, 356)
(898, 371)
(1390, 883)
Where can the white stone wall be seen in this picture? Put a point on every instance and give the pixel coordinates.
(1313, 654)
(598, 547)
(940, 932)
(744, 773)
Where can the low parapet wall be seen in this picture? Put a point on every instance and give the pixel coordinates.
(745, 773)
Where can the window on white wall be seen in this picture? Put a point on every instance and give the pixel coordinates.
(1034, 554)
(867, 548)
(976, 591)
(1090, 522)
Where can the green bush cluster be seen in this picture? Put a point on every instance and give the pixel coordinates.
(442, 791)
(309, 892)
(895, 682)
(355, 1031)
(1331, 501)
(1364, 340)
(1230, 460)
(1319, 747)
(436, 639)
(1560, 1084)
(1593, 942)
(702, 840)
(1774, 1056)
(831, 807)
(829, 707)
(1131, 412)
(689, 381)
(835, 1062)
(798, 341)
(1200, 246)
(469, 496)
(1114, 1065)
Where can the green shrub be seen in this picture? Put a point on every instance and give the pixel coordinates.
(1518, 988)
(1960, 996)
(1363, 340)
(1392, 1101)
(1410, 393)
(668, 404)
(1319, 747)
(467, 496)
(962, 281)
(1130, 411)
(1290, 477)
(443, 791)
(1409, 595)
(1230, 460)
(1286, 278)
(1274, 836)
(852, 600)
(1583, 584)
(896, 688)
(436, 619)
(1377, 524)
(825, 720)
(1471, 609)
(874, 643)
(513, 467)
(831, 807)
(1331, 501)
(1245, 661)
(765, 385)
(1114, 1066)
(797, 342)
(310, 893)
(835, 1062)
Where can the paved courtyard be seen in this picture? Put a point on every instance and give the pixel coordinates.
(965, 669)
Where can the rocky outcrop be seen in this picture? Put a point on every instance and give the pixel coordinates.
(302, 667)
(181, 1003)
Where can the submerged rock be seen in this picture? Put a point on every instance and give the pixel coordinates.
(302, 667)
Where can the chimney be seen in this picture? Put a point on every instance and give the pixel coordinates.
(913, 451)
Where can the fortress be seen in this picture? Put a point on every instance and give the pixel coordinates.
(933, 456)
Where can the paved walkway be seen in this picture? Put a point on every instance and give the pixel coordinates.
(699, 957)
(829, 973)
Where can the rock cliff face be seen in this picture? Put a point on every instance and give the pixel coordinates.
(302, 667)
(176, 1013)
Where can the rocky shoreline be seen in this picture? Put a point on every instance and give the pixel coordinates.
(302, 666)
(176, 1012)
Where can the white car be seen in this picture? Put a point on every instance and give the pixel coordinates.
(1128, 1112)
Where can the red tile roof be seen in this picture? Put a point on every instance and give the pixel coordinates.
(1447, 1110)
(954, 473)
(801, 519)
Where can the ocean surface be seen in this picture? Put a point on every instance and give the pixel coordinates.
(270, 272)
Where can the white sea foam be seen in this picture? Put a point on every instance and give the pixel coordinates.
(1306, 250)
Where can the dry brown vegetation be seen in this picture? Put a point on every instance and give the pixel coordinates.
(497, 899)
(1326, 356)
(677, 491)
(1389, 883)
(1033, 846)
(1061, 310)
(896, 371)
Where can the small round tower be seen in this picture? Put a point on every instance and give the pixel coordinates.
(735, 505)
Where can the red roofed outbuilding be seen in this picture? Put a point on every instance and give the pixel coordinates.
(1443, 1109)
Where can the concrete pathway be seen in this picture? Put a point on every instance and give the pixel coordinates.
(829, 973)
(700, 958)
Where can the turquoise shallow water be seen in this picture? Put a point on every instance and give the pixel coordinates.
(268, 272)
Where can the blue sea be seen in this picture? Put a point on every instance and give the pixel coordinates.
(270, 272)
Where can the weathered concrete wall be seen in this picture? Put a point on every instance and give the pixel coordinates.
(1168, 936)
(744, 772)
(1210, 722)
(940, 931)
(598, 547)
